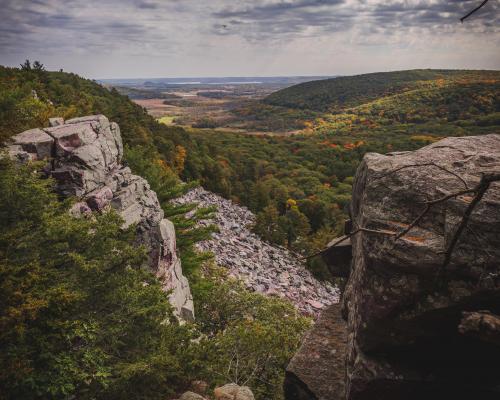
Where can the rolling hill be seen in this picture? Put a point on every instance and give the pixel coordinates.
(334, 95)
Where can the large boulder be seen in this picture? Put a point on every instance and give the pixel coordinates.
(191, 396)
(86, 155)
(404, 300)
(232, 391)
(422, 322)
(35, 142)
(317, 371)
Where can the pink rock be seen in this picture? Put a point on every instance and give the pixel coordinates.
(316, 304)
(79, 209)
(100, 199)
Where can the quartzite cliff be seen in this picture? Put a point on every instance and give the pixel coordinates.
(86, 162)
(415, 325)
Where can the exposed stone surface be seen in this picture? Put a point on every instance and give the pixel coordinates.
(317, 371)
(338, 255)
(402, 323)
(264, 268)
(56, 121)
(199, 387)
(416, 330)
(35, 142)
(191, 396)
(232, 391)
(482, 325)
(86, 162)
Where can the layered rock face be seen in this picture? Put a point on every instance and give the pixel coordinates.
(86, 155)
(421, 324)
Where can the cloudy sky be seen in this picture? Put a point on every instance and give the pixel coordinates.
(182, 38)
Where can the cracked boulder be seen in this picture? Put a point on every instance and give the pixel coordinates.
(317, 370)
(404, 304)
(85, 161)
(417, 325)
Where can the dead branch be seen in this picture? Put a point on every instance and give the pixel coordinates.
(342, 239)
(479, 191)
(473, 11)
(414, 222)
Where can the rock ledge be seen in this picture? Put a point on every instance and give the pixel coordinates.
(85, 157)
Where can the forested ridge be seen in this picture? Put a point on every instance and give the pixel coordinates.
(79, 317)
(284, 178)
(350, 91)
(297, 185)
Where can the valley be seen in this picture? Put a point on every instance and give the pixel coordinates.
(223, 104)
(250, 200)
(289, 153)
(242, 240)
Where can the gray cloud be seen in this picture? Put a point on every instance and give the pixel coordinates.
(265, 36)
(295, 17)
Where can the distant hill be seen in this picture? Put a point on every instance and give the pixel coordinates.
(333, 95)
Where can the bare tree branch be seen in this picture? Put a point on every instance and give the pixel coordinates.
(479, 191)
(473, 11)
(342, 239)
(415, 222)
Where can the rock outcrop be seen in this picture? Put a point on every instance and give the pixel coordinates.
(421, 324)
(264, 268)
(85, 157)
(317, 371)
(232, 391)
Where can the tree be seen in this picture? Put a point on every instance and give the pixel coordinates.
(249, 338)
(295, 225)
(38, 66)
(180, 157)
(26, 66)
(79, 316)
(267, 226)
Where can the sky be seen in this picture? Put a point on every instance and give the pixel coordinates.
(189, 38)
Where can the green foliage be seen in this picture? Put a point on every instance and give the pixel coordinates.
(79, 315)
(147, 163)
(249, 338)
(380, 112)
(349, 91)
(265, 172)
(153, 150)
(81, 318)
(267, 226)
(29, 96)
(352, 115)
(206, 122)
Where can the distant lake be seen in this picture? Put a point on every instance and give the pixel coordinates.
(245, 80)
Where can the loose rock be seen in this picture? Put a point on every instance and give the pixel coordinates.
(232, 391)
(263, 267)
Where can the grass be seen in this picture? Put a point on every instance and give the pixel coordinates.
(167, 120)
